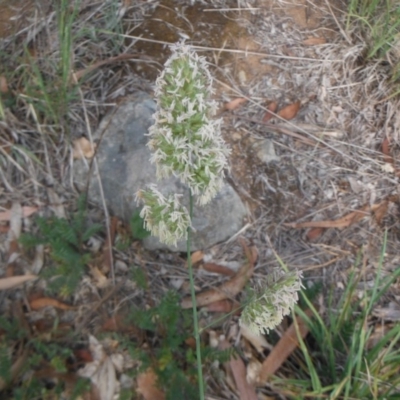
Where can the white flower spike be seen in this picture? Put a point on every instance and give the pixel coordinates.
(164, 217)
(185, 140)
(269, 304)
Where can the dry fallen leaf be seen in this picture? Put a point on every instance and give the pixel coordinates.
(230, 288)
(224, 306)
(3, 84)
(312, 41)
(99, 278)
(218, 269)
(258, 341)
(271, 109)
(381, 211)
(236, 365)
(101, 371)
(42, 302)
(387, 157)
(197, 256)
(82, 148)
(290, 111)
(38, 260)
(12, 237)
(343, 222)
(12, 281)
(314, 233)
(56, 203)
(26, 212)
(147, 387)
(234, 104)
(286, 345)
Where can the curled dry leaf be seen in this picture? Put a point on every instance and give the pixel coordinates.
(99, 278)
(271, 109)
(82, 148)
(147, 386)
(286, 345)
(228, 289)
(13, 281)
(218, 269)
(256, 339)
(290, 111)
(313, 41)
(197, 256)
(42, 302)
(235, 103)
(101, 371)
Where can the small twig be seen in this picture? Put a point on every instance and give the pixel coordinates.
(234, 51)
(97, 172)
(98, 305)
(277, 128)
(338, 24)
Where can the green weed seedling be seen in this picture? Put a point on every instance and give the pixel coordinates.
(38, 354)
(167, 329)
(65, 240)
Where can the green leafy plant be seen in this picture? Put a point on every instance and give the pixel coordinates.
(169, 328)
(65, 240)
(48, 80)
(39, 354)
(380, 23)
(340, 359)
(136, 225)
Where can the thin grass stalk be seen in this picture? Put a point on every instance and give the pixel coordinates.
(315, 381)
(194, 305)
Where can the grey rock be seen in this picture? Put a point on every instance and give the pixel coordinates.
(266, 151)
(124, 167)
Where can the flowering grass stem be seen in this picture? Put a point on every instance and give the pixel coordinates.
(193, 295)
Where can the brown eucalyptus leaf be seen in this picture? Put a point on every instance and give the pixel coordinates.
(290, 111)
(313, 41)
(235, 103)
(271, 109)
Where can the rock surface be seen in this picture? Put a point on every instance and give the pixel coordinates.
(124, 168)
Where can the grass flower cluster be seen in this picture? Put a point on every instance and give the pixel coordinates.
(164, 217)
(185, 140)
(267, 305)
